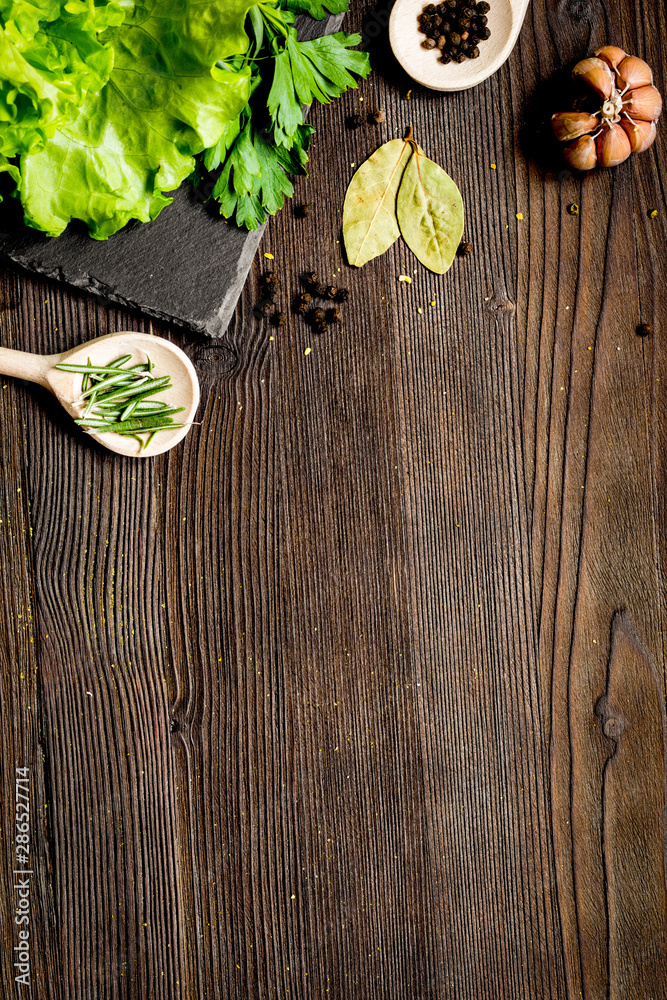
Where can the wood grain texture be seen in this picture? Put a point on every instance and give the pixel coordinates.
(360, 691)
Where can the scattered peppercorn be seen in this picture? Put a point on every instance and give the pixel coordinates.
(305, 211)
(454, 28)
(464, 249)
(644, 330)
(310, 279)
(317, 315)
(332, 292)
(354, 121)
(573, 209)
(333, 316)
(342, 295)
(270, 280)
(321, 290)
(262, 310)
(302, 302)
(279, 319)
(377, 116)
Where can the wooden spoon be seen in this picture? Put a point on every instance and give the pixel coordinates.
(504, 22)
(66, 386)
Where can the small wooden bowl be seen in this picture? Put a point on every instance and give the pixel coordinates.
(423, 65)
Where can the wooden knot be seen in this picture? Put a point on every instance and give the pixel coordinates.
(214, 359)
(579, 10)
(613, 728)
(500, 305)
(613, 725)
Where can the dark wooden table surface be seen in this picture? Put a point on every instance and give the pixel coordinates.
(360, 692)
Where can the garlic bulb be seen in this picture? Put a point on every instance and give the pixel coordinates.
(623, 123)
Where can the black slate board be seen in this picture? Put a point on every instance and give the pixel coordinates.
(187, 266)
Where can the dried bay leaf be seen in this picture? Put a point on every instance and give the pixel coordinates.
(429, 208)
(370, 225)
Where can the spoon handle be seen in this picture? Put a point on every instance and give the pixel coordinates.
(23, 365)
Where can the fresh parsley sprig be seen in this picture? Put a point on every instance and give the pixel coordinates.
(269, 139)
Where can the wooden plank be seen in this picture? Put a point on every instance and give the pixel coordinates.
(341, 737)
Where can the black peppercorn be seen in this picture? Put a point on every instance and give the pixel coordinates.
(262, 310)
(354, 121)
(321, 290)
(442, 41)
(483, 8)
(279, 319)
(270, 280)
(316, 315)
(644, 330)
(474, 52)
(333, 316)
(428, 43)
(455, 39)
(342, 295)
(482, 19)
(446, 27)
(445, 58)
(310, 279)
(331, 292)
(430, 8)
(377, 116)
(464, 249)
(436, 21)
(483, 33)
(305, 211)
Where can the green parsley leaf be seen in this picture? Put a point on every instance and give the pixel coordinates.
(248, 199)
(315, 8)
(320, 69)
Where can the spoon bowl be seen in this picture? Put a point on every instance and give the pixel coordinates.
(66, 386)
(504, 22)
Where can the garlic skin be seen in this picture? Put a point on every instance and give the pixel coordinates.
(644, 103)
(613, 146)
(597, 75)
(625, 121)
(641, 134)
(612, 55)
(571, 124)
(633, 72)
(581, 154)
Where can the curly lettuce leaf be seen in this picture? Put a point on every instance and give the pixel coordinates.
(166, 100)
(51, 55)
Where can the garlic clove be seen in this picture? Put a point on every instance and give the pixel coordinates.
(644, 103)
(596, 74)
(641, 134)
(633, 72)
(613, 145)
(611, 54)
(571, 124)
(581, 154)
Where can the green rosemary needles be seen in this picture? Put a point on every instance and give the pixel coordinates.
(118, 399)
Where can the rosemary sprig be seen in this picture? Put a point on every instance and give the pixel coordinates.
(117, 399)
